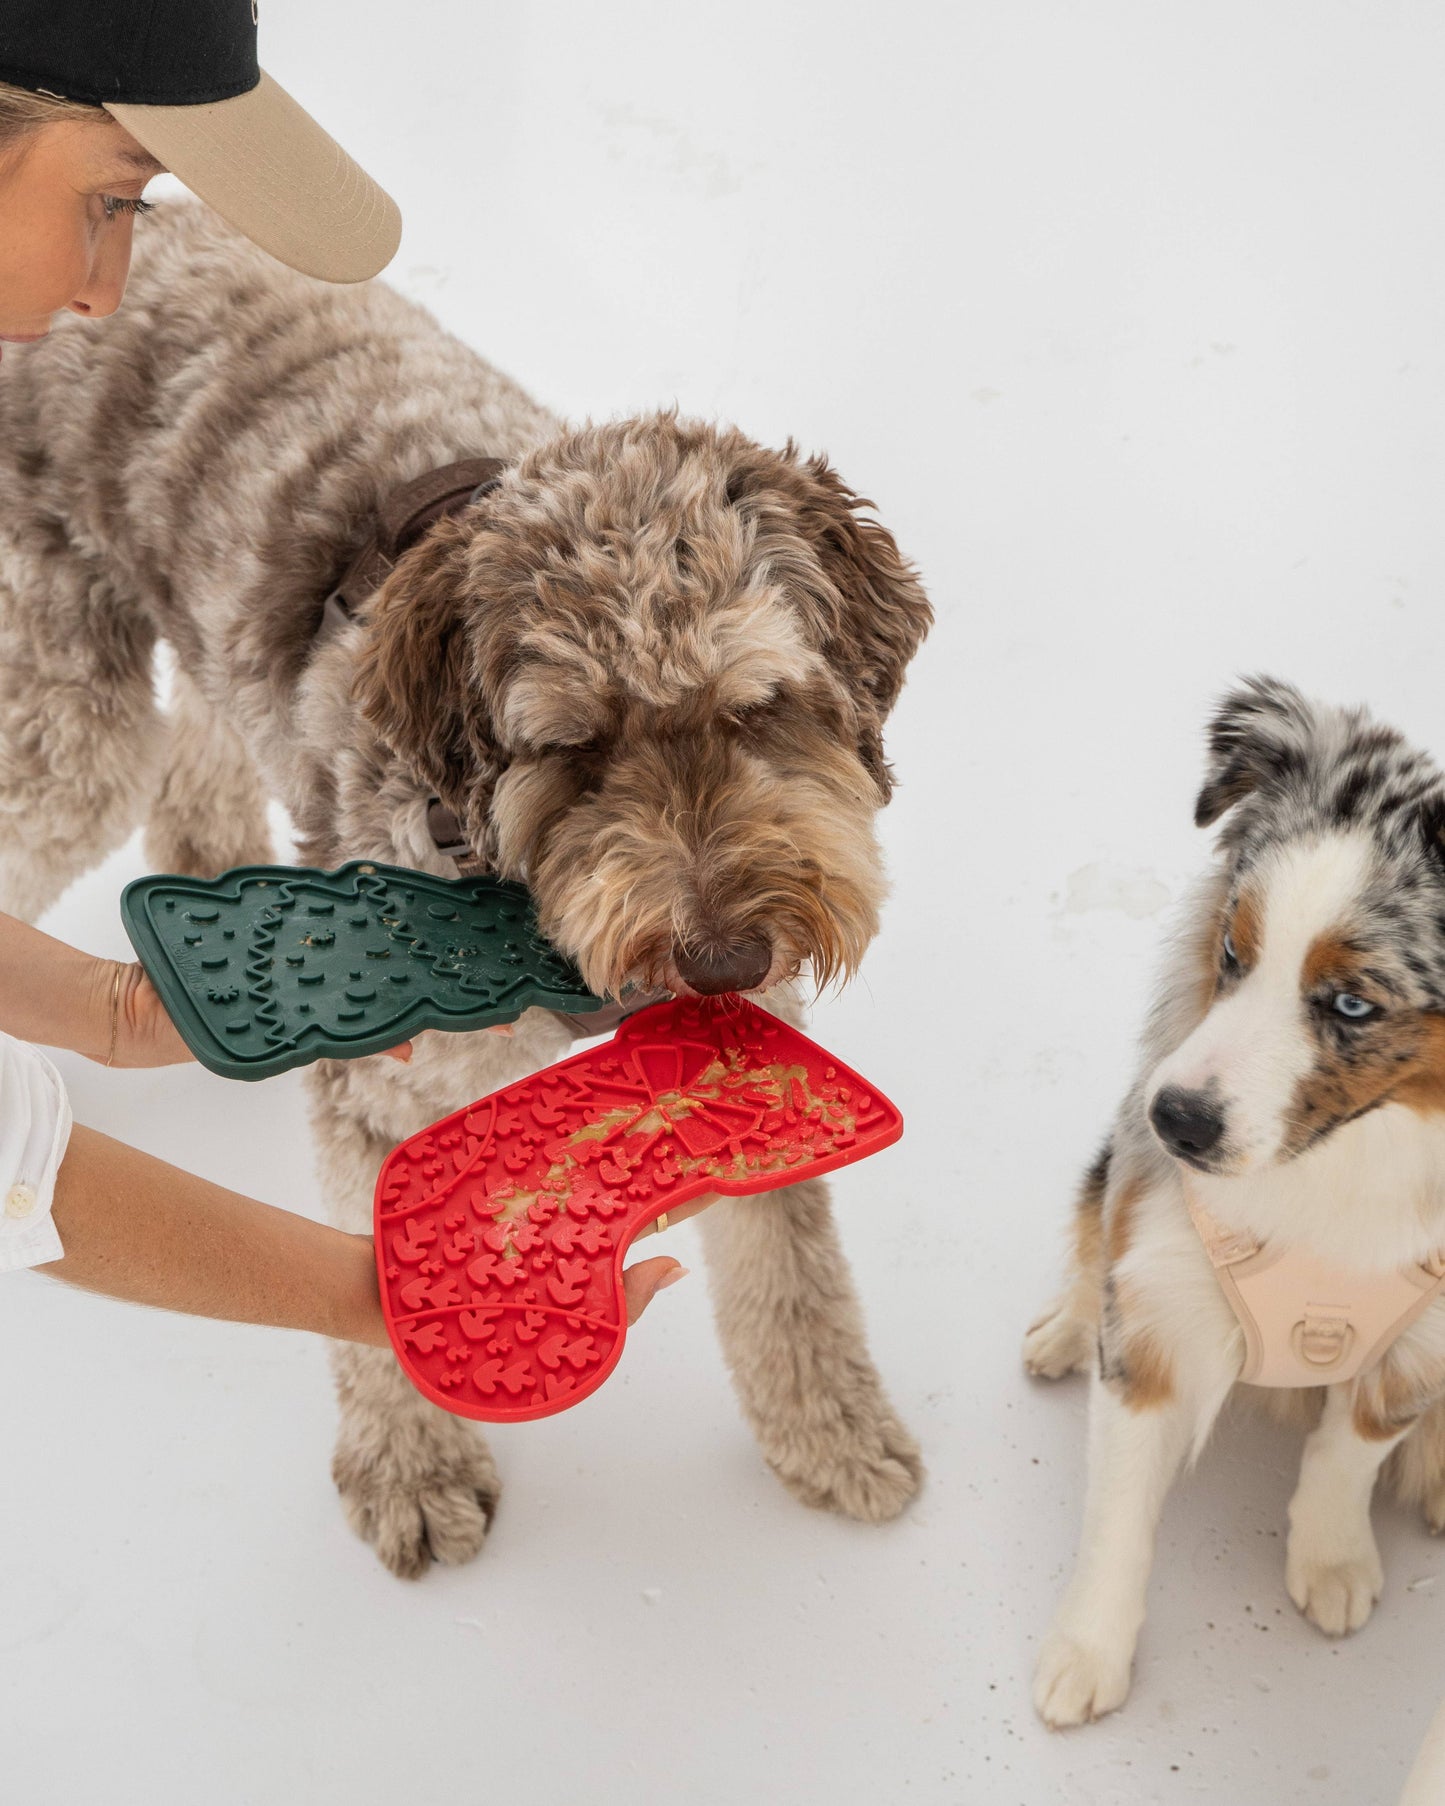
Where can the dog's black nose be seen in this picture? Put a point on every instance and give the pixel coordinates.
(711, 970)
(1187, 1122)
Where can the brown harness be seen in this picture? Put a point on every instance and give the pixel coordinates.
(405, 515)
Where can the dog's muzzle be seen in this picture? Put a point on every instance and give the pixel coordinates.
(712, 970)
(1189, 1123)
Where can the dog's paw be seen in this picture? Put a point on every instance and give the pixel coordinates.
(416, 1513)
(866, 1467)
(1057, 1343)
(1075, 1682)
(1337, 1595)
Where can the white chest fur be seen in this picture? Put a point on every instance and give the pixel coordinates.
(1371, 1196)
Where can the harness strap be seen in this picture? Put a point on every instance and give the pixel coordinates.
(1223, 1246)
(1306, 1321)
(449, 837)
(403, 517)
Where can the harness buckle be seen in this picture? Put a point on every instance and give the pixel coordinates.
(334, 615)
(1322, 1341)
(447, 833)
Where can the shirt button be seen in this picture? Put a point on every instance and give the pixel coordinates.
(20, 1201)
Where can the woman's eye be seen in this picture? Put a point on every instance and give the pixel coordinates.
(1230, 952)
(114, 205)
(1354, 1009)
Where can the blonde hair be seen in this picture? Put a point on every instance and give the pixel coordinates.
(23, 112)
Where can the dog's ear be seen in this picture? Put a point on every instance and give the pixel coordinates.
(882, 613)
(416, 679)
(1432, 828)
(1259, 737)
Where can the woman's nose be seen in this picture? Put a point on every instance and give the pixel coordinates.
(105, 285)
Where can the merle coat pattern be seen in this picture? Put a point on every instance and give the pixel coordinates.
(1293, 1074)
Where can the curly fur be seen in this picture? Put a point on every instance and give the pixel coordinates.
(659, 656)
(649, 671)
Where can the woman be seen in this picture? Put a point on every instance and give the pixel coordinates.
(95, 99)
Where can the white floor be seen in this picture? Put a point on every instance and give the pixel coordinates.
(1132, 318)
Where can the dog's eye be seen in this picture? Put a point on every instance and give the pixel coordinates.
(1352, 1008)
(1231, 954)
(568, 749)
(753, 714)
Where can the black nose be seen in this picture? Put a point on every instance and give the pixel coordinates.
(711, 970)
(1187, 1122)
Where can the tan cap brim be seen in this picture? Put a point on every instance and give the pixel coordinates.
(270, 171)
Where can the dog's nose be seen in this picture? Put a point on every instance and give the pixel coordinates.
(1186, 1122)
(711, 970)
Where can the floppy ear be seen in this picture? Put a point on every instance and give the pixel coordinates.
(416, 677)
(884, 613)
(1259, 736)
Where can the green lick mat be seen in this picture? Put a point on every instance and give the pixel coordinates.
(272, 966)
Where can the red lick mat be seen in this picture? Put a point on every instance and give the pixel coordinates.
(501, 1231)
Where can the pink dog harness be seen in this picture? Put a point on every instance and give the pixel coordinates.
(1305, 1321)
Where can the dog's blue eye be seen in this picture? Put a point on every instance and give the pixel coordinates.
(1230, 952)
(1355, 1008)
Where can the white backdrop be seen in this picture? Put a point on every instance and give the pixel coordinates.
(1132, 320)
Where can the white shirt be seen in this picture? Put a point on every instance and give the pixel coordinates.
(1426, 1786)
(35, 1125)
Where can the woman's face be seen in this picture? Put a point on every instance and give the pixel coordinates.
(69, 194)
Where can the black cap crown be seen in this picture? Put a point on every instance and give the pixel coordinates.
(176, 53)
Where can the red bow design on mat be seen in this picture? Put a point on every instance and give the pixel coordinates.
(666, 1075)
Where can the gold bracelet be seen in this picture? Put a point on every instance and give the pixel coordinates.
(114, 1008)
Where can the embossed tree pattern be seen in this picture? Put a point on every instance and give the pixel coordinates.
(269, 967)
(501, 1230)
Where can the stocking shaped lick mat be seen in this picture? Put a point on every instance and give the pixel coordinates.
(501, 1230)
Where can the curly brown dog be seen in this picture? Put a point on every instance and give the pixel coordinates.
(647, 672)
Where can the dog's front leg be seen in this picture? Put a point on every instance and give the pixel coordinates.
(792, 1335)
(417, 1483)
(1135, 1448)
(1332, 1567)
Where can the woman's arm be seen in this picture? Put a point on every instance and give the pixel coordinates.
(102, 1008)
(136, 1228)
(59, 996)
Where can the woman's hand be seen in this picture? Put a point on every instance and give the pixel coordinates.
(641, 1283)
(144, 1032)
(109, 1011)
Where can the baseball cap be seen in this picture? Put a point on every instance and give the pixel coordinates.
(182, 77)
